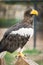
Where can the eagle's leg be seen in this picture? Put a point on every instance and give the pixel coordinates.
(20, 54)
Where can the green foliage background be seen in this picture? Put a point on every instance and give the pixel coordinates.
(8, 22)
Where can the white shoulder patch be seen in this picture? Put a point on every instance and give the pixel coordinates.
(24, 32)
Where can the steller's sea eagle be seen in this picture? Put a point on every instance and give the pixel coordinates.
(17, 35)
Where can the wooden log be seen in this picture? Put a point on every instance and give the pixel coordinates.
(2, 60)
(24, 61)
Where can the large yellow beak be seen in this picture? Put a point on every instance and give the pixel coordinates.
(34, 12)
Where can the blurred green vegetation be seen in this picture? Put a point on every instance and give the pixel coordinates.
(8, 22)
(17, 2)
(11, 57)
(22, 2)
(32, 52)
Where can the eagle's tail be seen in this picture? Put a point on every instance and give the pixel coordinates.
(1, 46)
(2, 53)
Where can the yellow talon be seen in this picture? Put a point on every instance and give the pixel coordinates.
(20, 54)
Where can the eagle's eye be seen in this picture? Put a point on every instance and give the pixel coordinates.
(27, 13)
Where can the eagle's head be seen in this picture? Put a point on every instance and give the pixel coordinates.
(29, 14)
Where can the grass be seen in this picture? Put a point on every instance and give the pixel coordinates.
(32, 52)
(10, 57)
(8, 22)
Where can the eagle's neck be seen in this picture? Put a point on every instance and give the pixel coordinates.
(28, 21)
